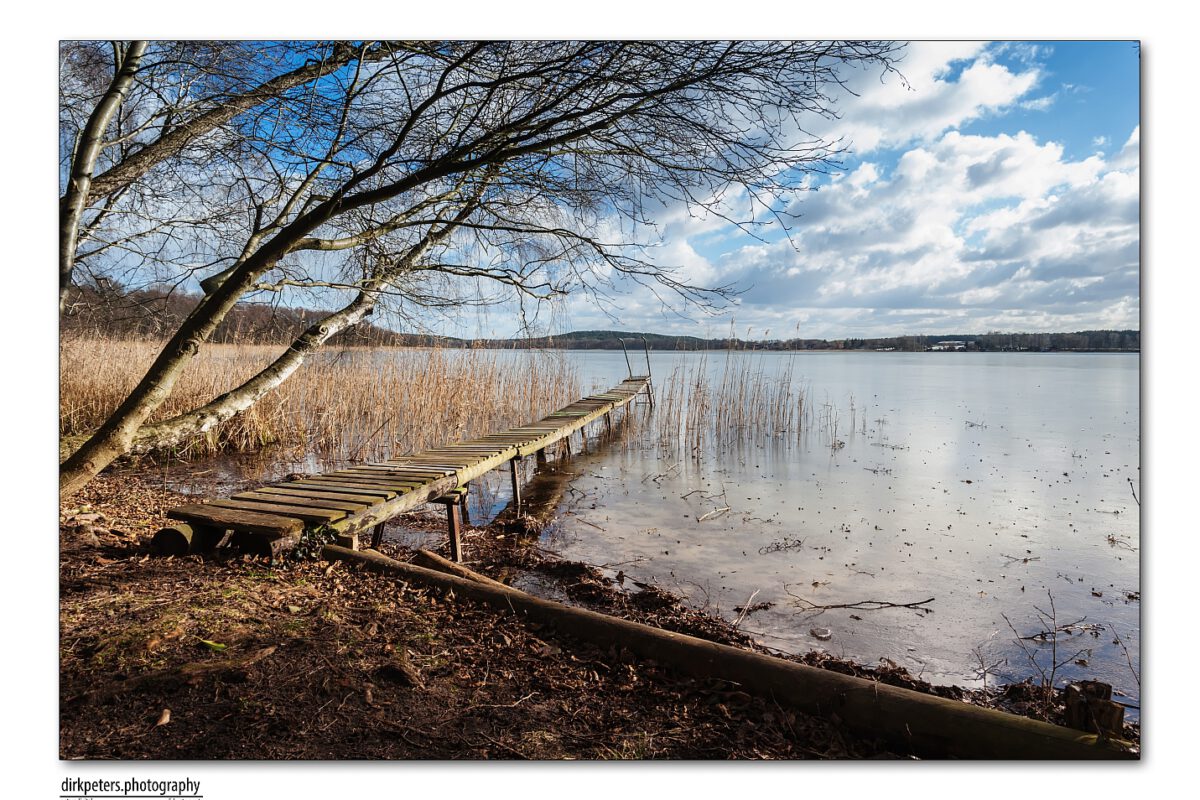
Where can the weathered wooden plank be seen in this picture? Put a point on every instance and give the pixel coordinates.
(306, 502)
(463, 448)
(403, 467)
(418, 473)
(442, 463)
(394, 468)
(313, 515)
(221, 517)
(382, 480)
(431, 464)
(435, 458)
(317, 494)
(562, 432)
(371, 517)
(335, 485)
(398, 468)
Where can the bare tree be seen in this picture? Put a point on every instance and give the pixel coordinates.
(411, 171)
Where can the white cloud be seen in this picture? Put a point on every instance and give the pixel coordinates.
(891, 112)
(938, 230)
(1003, 227)
(1039, 103)
(1130, 152)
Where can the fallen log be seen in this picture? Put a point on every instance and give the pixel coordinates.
(926, 725)
(430, 559)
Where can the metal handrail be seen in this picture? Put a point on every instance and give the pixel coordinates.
(629, 367)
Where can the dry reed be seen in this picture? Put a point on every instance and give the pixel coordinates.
(740, 403)
(351, 403)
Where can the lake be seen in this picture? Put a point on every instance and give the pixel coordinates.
(974, 486)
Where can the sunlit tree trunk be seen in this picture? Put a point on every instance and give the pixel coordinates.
(79, 184)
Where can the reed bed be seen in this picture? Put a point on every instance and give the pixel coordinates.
(352, 403)
(702, 408)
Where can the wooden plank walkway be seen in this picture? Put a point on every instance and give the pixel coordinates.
(356, 499)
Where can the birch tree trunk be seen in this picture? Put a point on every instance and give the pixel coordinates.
(179, 429)
(115, 436)
(75, 198)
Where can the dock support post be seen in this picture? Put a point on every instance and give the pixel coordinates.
(540, 456)
(377, 536)
(466, 511)
(515, 466)
(454, 529)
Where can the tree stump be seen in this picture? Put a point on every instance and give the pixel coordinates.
(1090, 708)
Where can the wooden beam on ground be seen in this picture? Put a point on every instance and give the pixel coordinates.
(926, 725)
(275, 525)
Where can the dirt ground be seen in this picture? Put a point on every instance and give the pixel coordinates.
(232, 657)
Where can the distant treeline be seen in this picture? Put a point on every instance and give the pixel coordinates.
(1123, 341)
(155, 314)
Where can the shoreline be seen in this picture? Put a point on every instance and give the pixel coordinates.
(181, 628)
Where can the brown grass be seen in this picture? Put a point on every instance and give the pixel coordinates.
(354, 402)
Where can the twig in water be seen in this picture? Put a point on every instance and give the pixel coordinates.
(714, 513)
(1116, 541)
(1135, 497)
(584, 521)
(863, 605)
(985, 669)
(745, 609)
(1128, 660)
(780, 545)
(1050, 621)
(661, 475)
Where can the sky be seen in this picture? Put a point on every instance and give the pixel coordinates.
(982, 186)
(994, 187)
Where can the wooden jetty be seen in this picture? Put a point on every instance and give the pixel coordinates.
(358, 499)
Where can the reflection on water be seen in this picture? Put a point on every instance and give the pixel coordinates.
(995, 484)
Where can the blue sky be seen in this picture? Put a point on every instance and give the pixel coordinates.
(986, 186)
(996, 187)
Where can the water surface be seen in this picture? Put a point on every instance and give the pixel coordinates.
(989, 485)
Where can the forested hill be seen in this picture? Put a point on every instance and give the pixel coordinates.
(151, 314)
(157, 314)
